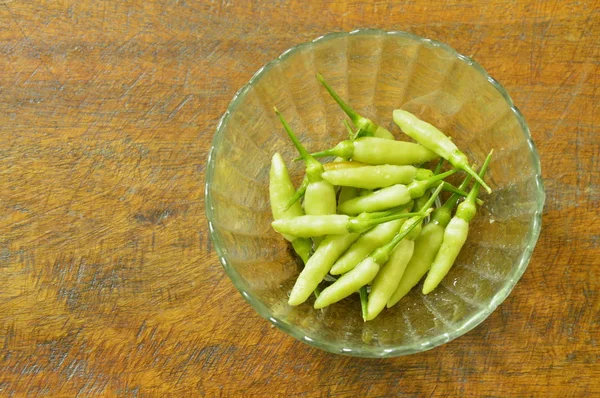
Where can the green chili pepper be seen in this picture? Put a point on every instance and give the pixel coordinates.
(426, 247)
(331, 224)
(280, 189)
(438, 167)
(319, 198)
(432, 138)
(372, 177)
(455, 235)
(395, 195)
(318, 266)
(385, 283)
(364, 125)
(366, 271)
(373, 150)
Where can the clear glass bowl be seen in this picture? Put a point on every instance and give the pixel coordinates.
(376, 72)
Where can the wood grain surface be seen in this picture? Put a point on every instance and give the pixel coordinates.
(108, 281)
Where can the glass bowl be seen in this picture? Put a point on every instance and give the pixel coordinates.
(375, 72)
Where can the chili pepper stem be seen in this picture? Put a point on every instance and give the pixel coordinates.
(432, 138)
(345, 149)
(365, 126)
(473, 174)
(467, 209)
(418, 188)
(438, 167)
(363, 302)
(442, 214)
(475, 191)
(313, 167)
(298, 194)
(355, 117)
(438, 177)
(358, 224)
(351, 133)
(451, 188)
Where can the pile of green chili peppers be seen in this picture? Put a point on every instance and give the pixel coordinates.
(361, 220)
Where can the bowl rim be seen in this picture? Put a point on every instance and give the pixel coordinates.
(376, 351)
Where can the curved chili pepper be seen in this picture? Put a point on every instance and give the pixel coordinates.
(318, 265)
(280, 189)
(364, 125)
(366, 271)
(373, 150)
(371, 177)
(364, 304)
(455, 235)
(332, 224)
(319, 198)
(388, 278)
(430, 137)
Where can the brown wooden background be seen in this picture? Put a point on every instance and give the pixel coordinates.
(108, 281)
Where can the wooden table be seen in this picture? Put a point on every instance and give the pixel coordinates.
(108, 281)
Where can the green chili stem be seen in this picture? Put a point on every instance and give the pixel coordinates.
(438, 168)
(303, 152)
(356, 224)
(314, 168)
(298, 194)
(417, 189)
(355, 117)
(365, 126)
(475, 190)
(453, 199)
(390, 212)
(457, 191)
(351, 133)
(469, 170)
(363, 301)
(467, 209)
(438, 177)
(344, 149)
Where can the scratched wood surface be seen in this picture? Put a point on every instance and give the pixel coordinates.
(108, 281)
